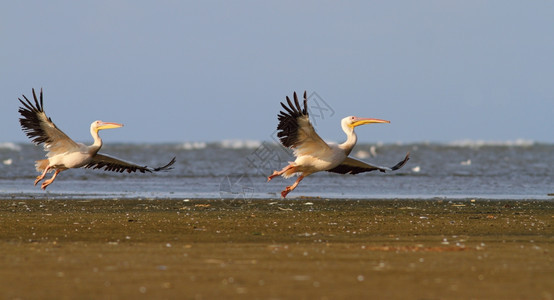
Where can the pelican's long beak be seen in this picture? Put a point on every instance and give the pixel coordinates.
(109, 125)
(362, 121)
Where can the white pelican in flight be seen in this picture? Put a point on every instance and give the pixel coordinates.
(312, 153)
(63, 152)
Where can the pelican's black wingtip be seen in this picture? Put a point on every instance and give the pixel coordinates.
(402, 163)
(305, 110)
(38, 105)
(166, 167)
(287, 129)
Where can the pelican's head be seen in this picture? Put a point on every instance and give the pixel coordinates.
(99, 125)
(355, 121)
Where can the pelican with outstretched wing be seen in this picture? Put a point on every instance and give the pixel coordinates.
(63, 152)
(312, 153)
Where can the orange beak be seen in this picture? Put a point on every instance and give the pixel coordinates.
(362, 121)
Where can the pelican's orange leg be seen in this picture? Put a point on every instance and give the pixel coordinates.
(49, 181)
(289, 189)
(278, 173)
(41, 176)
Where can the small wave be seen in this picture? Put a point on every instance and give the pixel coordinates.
(361, 154)
(10, 146)
(192, 145)
(466, 162)
(481, 143)
(240, 144)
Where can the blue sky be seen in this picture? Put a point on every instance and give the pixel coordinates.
(175, 71)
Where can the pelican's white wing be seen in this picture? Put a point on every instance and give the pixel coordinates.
(110, 163)
(296, 131)
(40, 128)
(353, 166)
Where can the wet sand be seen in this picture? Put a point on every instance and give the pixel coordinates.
(276, 249)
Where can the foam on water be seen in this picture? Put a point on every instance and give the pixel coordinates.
(240, 144)
(482, 143)
(192, 145)
(10, 146)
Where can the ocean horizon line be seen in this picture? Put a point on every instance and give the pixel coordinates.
(253, 143)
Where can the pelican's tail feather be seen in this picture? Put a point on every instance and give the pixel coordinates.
(40, 165)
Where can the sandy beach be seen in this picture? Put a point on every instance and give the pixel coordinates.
(276, 249)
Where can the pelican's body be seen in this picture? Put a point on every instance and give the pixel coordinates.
(63, 152)
(312, 153)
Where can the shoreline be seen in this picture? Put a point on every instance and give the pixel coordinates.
(274, 248)
(171, 196)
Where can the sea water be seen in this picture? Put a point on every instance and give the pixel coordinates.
(239, 169)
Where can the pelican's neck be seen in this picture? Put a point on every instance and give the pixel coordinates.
(93, 149)
(351, 139)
